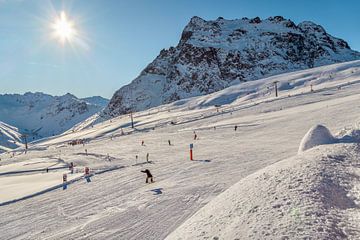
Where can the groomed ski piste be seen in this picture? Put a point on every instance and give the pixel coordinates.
(280, 175)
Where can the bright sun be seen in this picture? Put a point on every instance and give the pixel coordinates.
(63, 28)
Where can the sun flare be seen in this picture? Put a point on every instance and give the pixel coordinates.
(64, 29)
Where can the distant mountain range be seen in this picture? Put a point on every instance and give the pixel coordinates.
(41, 115)
(96, 100)
(213, 55)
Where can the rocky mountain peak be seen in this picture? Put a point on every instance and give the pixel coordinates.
(212, 55)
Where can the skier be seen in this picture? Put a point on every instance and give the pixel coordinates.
(142, 143)
(148, 175)
(169, 142)
(86, 152)
(235, 127)
(147, 157)
(195, 136)
(71, 167)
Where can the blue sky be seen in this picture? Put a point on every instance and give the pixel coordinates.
(120, 37)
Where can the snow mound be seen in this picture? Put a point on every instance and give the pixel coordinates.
(303, 197)
(349, 135)
(317, 135)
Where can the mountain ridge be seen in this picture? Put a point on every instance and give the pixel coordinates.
(212, 55)
(41, 115)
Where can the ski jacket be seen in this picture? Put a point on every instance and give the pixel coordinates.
(147, 171)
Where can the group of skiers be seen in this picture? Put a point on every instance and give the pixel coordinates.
(149, 176)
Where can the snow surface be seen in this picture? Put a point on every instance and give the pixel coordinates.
(311, 195)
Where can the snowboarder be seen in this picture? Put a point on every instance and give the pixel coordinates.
(148, 175)
(147, 157)
(235, 128)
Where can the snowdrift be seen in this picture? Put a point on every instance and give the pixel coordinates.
(309, 196)
(317, 135)
(351, 134)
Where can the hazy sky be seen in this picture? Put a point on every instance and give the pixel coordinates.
(118, 38)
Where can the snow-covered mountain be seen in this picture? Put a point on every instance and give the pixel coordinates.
(10, 137)
(213, 55)
(97, 100)
(41, 115)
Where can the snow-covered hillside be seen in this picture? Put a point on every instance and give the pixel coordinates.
(42, 115)
(333, 76)
(10, 137)
(213, 55)
(281, 194)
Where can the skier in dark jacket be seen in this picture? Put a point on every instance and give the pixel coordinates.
(148, 175)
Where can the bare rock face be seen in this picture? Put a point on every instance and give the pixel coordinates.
(212, 55)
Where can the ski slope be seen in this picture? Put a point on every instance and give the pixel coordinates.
(119, 205)
(9, 137)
